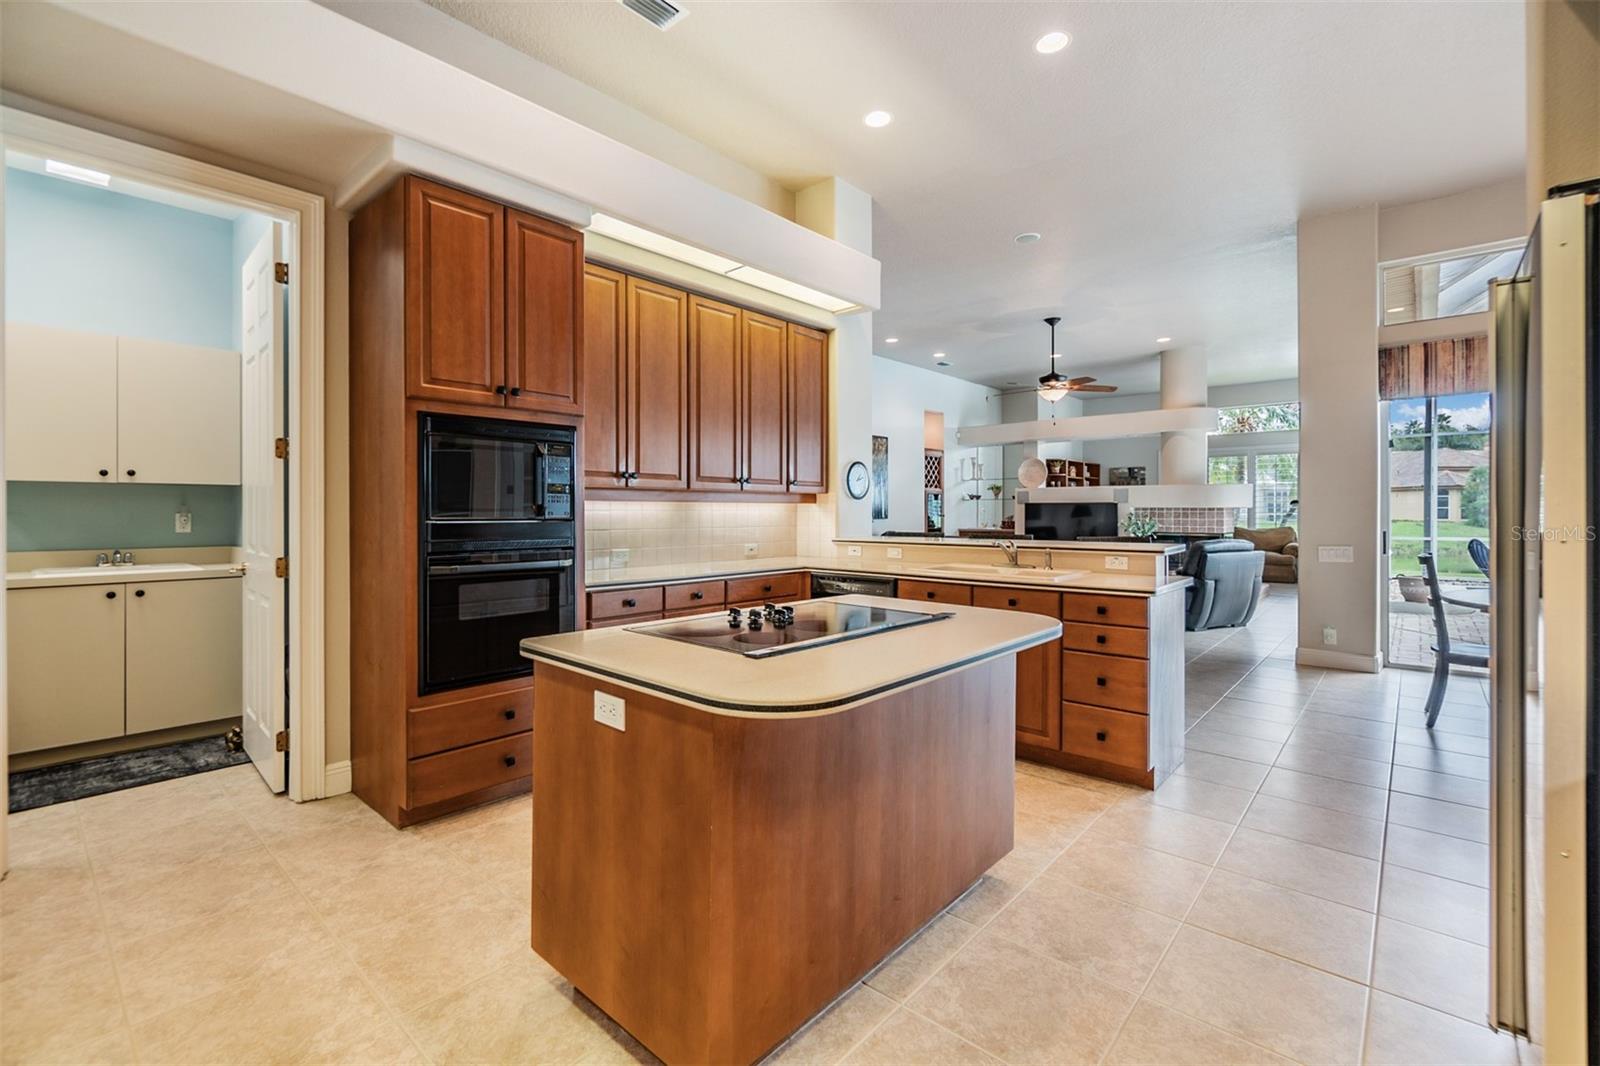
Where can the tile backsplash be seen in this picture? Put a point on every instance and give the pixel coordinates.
(1196, 519)
(663, 534)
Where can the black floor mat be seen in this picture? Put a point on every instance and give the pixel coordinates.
(112, 773)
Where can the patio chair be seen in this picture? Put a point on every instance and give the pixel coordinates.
(1480, 554)
(1446, 653)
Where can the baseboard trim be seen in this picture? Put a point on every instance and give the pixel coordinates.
(1338, 660)
(336, 778)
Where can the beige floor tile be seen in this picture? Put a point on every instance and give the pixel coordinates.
(522, 1012)
(1245, 726)
(1333, 703)
(1378, 749)
(830, 1037)
(1317, 932)
(1188, 836)
(1316, 825)
(45, 933)
(1037, 840)
(1317, 871)
(277, 820)
(1442, 762)
(1433, 853)
(1076, 780)
(216, 829)
(909, 1038)
(1205, 738)
(1059, 802)
(1005, 879)
(1271, 1001)
(1141, 876)
(1464, 790)
(1437, 903)
(409, 875)
(121, 818)
(1328, 722)
(1222, 770)
(1096, 935)
(332, 846)
(1430, 968)
(48, 1013)
(1223, 803)
(422, 958)
(1346, 796)
(1257, 693)
(1264, 712)
(915, 962)
(1331, 764)
(1437, 816)
(1402, 1033)
(1444, 740)
(1021, 1006)
(1156, 1036)
(51, 867)
(136, 906)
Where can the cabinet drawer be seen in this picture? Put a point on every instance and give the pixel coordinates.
(1106, 640)
(1115, 737)
(625, 603)
(936, 591)
(701, 596)
(1109, 610)
(1033, 601)
(455, 773)
(1105, 681)
(451, 725)
(765, 589)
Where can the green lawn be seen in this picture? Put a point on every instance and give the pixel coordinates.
(1405, 544)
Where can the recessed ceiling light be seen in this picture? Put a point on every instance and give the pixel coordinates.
(938, 355)
(1052, 42)
(76, 173)
(1026, 238)
(1163, 340)
(877, 119)
(891, 340)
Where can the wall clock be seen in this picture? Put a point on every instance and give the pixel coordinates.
(856, 480)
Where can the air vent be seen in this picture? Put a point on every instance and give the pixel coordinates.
(659, 13)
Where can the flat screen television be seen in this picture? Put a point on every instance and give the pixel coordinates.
(1071, 521)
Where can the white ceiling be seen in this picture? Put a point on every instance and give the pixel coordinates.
(1165, 155)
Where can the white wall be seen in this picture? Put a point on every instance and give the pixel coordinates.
(1483, 215)
(1146, 451)
(900, 395)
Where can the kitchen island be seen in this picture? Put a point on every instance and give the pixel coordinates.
(726, 841)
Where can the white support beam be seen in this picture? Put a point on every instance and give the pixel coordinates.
(1091, 427)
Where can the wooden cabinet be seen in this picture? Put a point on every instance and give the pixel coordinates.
(64, 659)
(936, 592)
(657, 414)
(808, 409)
(184, 652)
(544, 314)
(455, 299)
(442, 726)
(767, 588)
(61, 404)
(648, 603)
(1038, 669)
(764, 396)
(605, 377)
(716, 396)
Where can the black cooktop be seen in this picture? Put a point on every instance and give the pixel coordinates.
(758, 632)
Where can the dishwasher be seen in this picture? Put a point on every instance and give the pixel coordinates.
(851, 585)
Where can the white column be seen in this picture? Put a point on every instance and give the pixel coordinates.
(1183, 384)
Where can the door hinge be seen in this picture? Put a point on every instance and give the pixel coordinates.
(280, 448)
(280, 273)
(281, 567)
(281, 741)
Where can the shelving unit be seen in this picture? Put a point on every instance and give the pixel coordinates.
(1071, 473)
(933, 490)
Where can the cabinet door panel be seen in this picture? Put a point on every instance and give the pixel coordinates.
(177, 413)
(808, 410)
(544, 320)
(64, 656)
(765, 403)
(455, 296)
(605, 377)
(1038, 669)
(658, 385)
(185, 647)
(716, 441)
(936, 592)
(61, 404)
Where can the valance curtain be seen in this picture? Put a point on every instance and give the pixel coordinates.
(1434, 368)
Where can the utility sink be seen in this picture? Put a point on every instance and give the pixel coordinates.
(121, 568)
(1030, 573)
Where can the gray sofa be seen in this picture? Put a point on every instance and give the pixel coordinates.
(1227, 583)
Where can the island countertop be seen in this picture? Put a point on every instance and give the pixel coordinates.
(819, 680)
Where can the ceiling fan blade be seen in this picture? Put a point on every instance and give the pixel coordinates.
(1082, 381)
(1094, 388)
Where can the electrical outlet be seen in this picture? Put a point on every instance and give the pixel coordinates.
(1116, 562)
(1330, 635)
(1336, 553)
(896, 553)
(855, 549)
(183, 522)
(610, 710)
(619, 556)
(750, 550)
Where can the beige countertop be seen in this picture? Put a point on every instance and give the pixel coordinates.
(139, 574)
(819, 680)
(1066, 579)
(1159, 547)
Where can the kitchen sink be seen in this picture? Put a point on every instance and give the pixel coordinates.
(1030, 573)
(121, 568)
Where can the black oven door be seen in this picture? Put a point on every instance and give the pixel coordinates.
(477, 609)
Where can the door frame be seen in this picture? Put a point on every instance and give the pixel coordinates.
(305, 214)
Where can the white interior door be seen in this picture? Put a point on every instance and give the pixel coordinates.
(262, 521)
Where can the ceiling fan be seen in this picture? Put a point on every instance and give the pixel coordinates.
(1053, 386)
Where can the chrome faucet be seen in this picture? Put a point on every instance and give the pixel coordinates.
(1010, 548)
(116, 557)
(102, 560)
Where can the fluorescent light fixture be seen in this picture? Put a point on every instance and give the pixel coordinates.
(891, 340)
(877, 119)
(792, 289)
(1163, 340)
(1393, 310)
(1052, 42)
(650, 241)
(76, 173)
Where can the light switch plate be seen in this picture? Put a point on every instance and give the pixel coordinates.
(1116, 562)
(896, 553)
(855, 549)
(1330, 635)
(183, 522)
(610, 710)
(1336, 553)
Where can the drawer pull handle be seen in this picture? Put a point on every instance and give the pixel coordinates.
(1011, 602)
(510, 713)
(930, 594)
(105, 473)
(139, 592)
(766, 588)
(133, 473)
(630, 603)
(1099, 638)
(1100, 608)
(1100, 735)
(111, 595)
(1100, 681)
(511, 760)
(697, 595)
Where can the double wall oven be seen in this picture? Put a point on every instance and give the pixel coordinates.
(498, 545)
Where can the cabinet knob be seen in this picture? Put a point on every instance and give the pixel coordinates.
(516, 391)
(138, 592)
(105, 473)
(511, 760)
(131, 473)
(1100, 609)
(499, 390)
(766, 588)
(111, 595)
(510, 713)
(1011, 602)
(1099, 638)
(630, 603)
(929, 594)
(1100, 681)
(1100, 735)
(697, 595)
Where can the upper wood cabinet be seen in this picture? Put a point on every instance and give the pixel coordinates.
(658, 386)
(765, 403)
(808, 409)
(493, 303)
(716, 396)
(605, 377)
